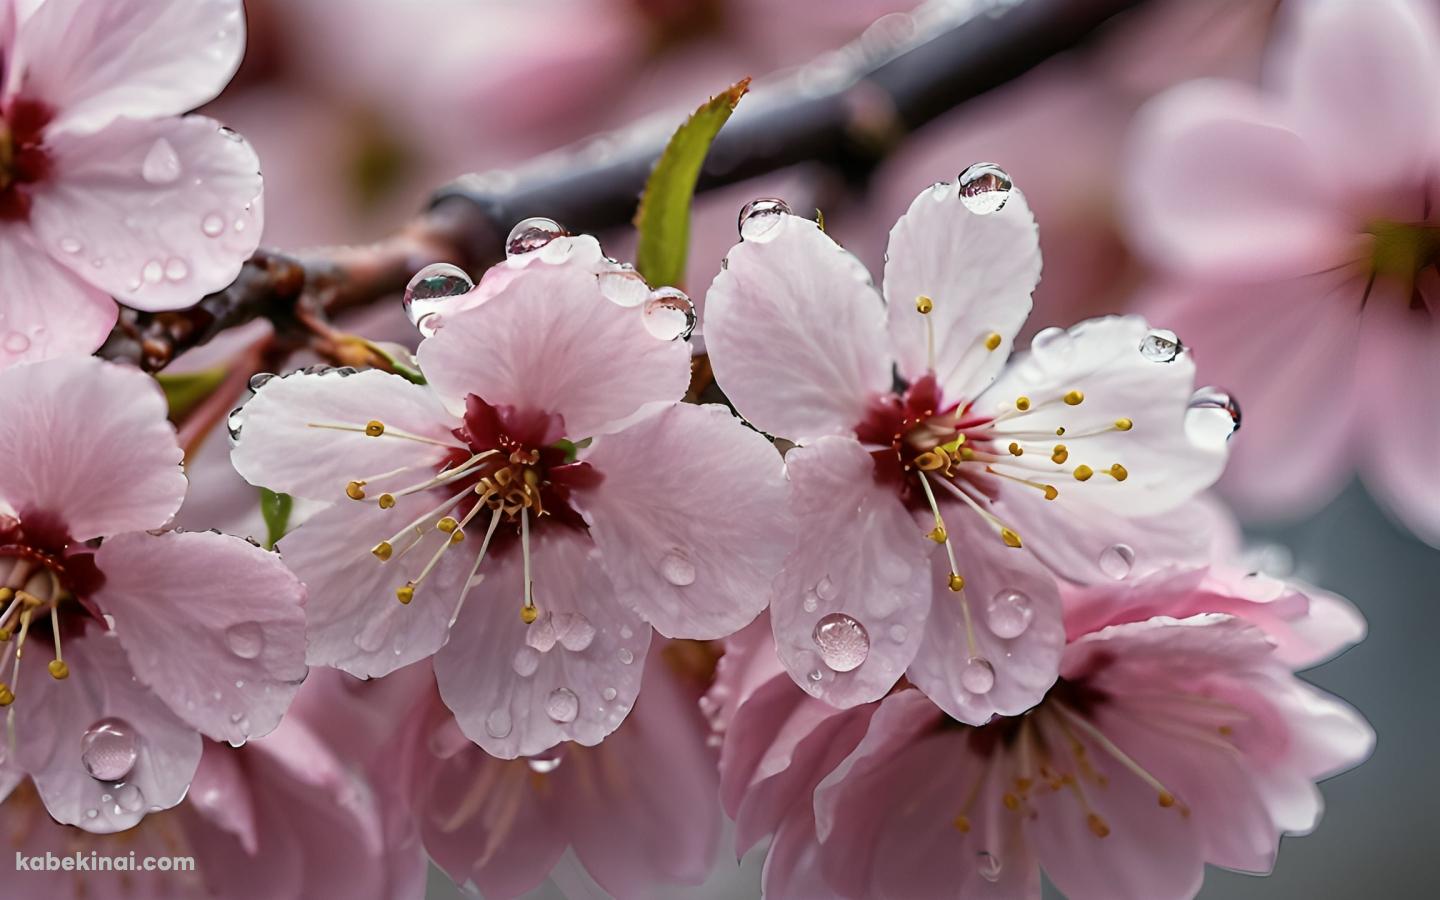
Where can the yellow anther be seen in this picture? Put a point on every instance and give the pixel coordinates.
(1226, 730)
(382, 550)
(931, 460)
(924, 304)
(1011, 801)
(1060, 432)
(1050, 492)
(447, 524)
(1123, 424)
(1074, 398)
(58, 670)
(962, 824)
(1097, 826)
(937, 534)
(7, 696)
(405, 593)
(528, 614)
(386, 501)
(355, 490)
(1167, 799)
(1118, 472)
(1016, 449)
(992, 341)
(5, 634)
(457, 535)
(957, 582)
(1059, 454)
(967, 454)
(1010, 538)
(1083, 473)
(6, 593)
(375, 428)
(1022, 403)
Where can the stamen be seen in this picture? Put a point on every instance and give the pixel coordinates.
(944, 535)
(377, 429)
(923, 305)
(1124, 424)
(528, 613)
(1164, 796)
(1118, 472)
(58, 670)
(383, 549)
(1074, 398)
(1022, 403)
(1083, 472)
(1059, 454)
(1048, 490)
(1007, 535)
(1016, 449)
(992, 341)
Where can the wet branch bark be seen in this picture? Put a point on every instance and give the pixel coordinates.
(847, 112)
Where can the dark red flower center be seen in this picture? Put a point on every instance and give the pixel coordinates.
(24, 161)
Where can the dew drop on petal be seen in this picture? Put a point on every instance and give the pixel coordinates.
(162, 163)
(677, 568)
(843, 642)
(626, 656)
(234, 423)
(978, 676)
(1117, 560)
(624, 287)
(1008, 614)
(984, 188)
(260, 379)
(497, 724)
(1161, 345)
(987, 865)
(227, 132)
(1213, 417)
(1051, 341)
(129, 798)
(153, 272)
(574, 631)
(176, 269)
(760, 219)
(531, 234)
(109, 748)
(212, 225)
(430, 291)
(812, 601)
(15, 342)
(609, 694)
(825, 589)
(245, 639)
(669, 315)
(527, 660)
(70, 245)
(562, 705)
(544, 764)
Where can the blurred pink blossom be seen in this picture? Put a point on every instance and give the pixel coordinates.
(1295, 230)
(106, 190)
(158, 644)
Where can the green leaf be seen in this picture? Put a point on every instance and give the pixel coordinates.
(186, 390)
(275, 508)
(398, 359)
(663, 218)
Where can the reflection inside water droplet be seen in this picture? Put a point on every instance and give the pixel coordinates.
(562, 705)
(669, 315)
(677, 568)
(978, 676)
(1213, 417)
(430, 291)
(1161, 345)
(843, 642)
(760, 219)
(531, 234)
(984, 188)
(109, 748)
(1008, 614)
(1117, 560)
(987, 865)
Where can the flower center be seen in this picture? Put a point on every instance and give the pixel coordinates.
(24, 161)
(32, 592)
(1402, 251)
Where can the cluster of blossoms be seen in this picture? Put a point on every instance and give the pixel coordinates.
(979, 619)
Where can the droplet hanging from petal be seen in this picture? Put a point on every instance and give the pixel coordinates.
(985, 188)
(430, 291)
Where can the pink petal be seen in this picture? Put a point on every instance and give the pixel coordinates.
(280, 449)
(977, 270)
(689, 517)
(859, 576)
(227, 661)
(1012, 581)
(138, 58)
(220, 793)
(553, 343)
(353, 620)
(792, 864)
(1165, 463)
(48, 311)
(1356, 80)
(516, 699)
(1219, 188)
(750, 662)
(52, 716)
(164, 212)
(795, 332)
(87, 441)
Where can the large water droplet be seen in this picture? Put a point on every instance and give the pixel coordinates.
(109, 748)
(978, 676)
(427, 294)
(984, 188)
(1117, 560)
(245, 640)
(844, 643)
(527, 660)
(1161, 345)
(1008, 614)
(546, 762)
(1213, 417)
(677, 568)
(497, 724)
(260, 379)
(987, 865)
(128, 799)
(760, 219)
(624, 287)
(531, 234)
(162, 163)
(669, 314)
(562, 705)
(574, 632)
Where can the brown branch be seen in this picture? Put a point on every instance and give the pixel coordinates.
(846, 111)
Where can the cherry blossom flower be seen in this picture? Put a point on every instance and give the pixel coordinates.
(281, 818)
(1005, 465)
(548, 468)
(637, 811)
(106, 190)
(158, 637)
(1294, 230)
(1171, 740)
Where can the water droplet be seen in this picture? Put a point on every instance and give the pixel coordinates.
(497, 724)
(984, 188)
(176, 269)
(562, 705)
(162, 163)
(1008, 614)
(430, 291)
(987, 865)
(626, 656)
(70, 245)
(15, 342)
(669, 314)
(825, 589)
(109, 748)
(624, 287)
(544, 765)
(574, 631)
(898, 633)
(235, 422)
(226, 131)
(129, 798)
(812, 602)
(153, 272)
(1117, 560)
(239, 225)
(843, 642)
(260, 379)
(213, 225)
(1051, 341)
(978, 676)
(1161, 345)
(677, 568)
(760, 220)
(939, 192)
(531, 234)
(527, 660)
(91, 813)
(245, 640)
(609, 694)
(1214, 416)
